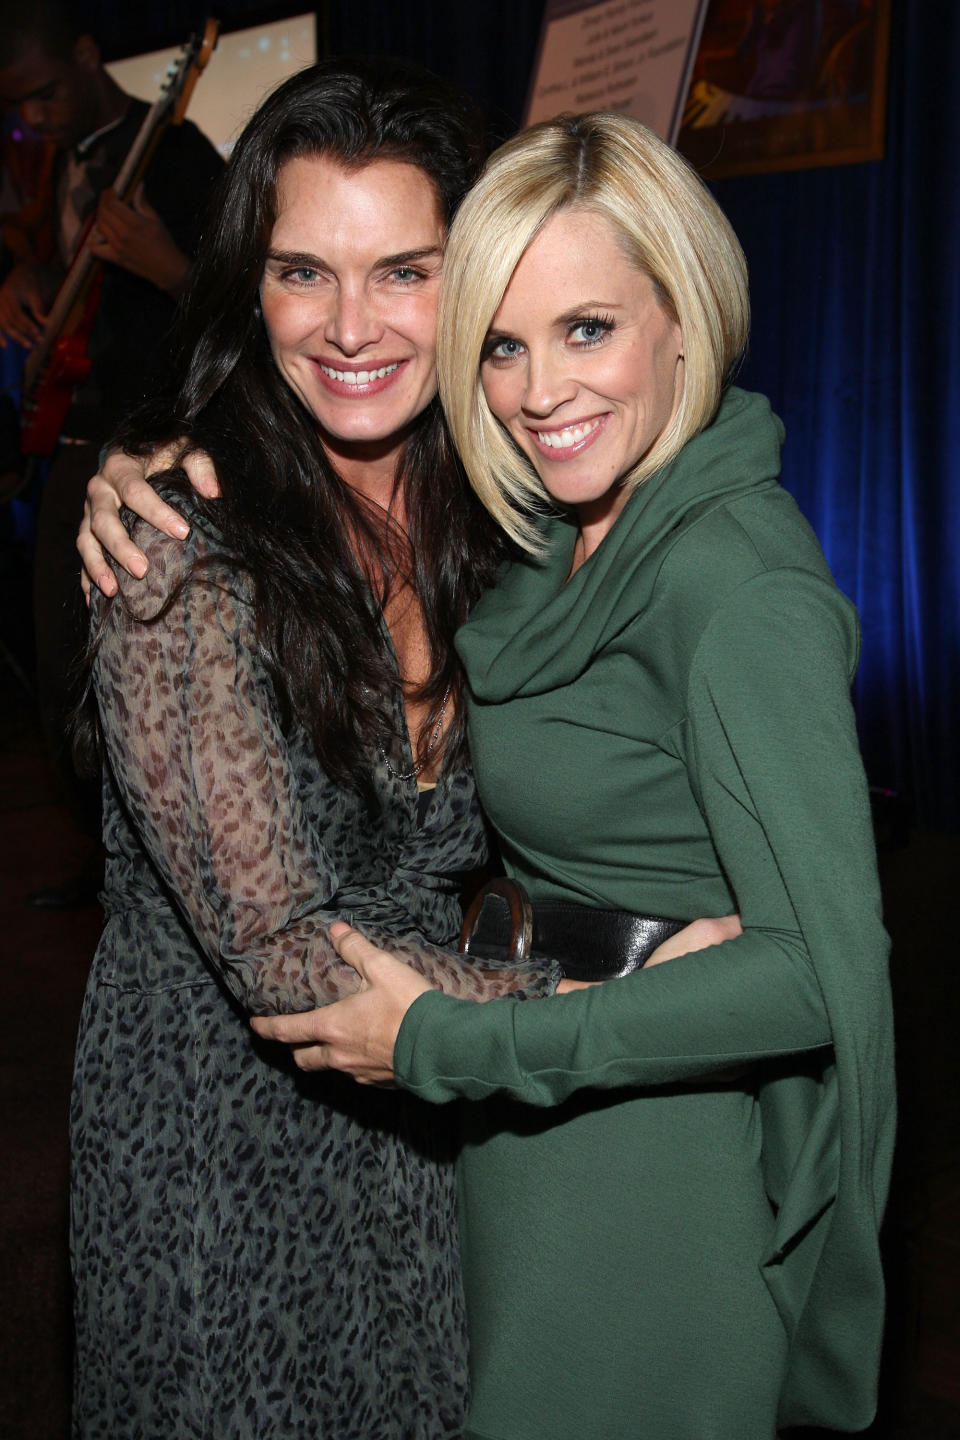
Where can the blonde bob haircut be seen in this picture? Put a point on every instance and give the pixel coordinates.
(670, 227)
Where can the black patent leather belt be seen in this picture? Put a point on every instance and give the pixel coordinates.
(588, 944)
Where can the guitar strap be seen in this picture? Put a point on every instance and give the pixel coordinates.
(77, 191)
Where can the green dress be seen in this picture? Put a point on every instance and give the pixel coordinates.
(654, 1250)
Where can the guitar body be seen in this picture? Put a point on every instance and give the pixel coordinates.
(44, 414)
(44, 404)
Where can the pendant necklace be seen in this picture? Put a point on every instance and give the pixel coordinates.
(431, 747)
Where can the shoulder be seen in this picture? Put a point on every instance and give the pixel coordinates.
(755, 543)
(173, 564)
(739, 581)
(744, 535)
(188, 142)
(785, 612)
(183, 171)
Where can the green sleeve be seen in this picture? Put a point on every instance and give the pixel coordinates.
(771, 753)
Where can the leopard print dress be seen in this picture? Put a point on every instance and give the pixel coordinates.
(256, 1253)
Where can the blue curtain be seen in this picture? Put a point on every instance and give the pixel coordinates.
(856, 339)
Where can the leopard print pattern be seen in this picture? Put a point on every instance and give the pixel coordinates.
(257, 1253)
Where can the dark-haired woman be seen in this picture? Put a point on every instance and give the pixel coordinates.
(255, 1255)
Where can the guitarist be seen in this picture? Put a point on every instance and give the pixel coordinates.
(50, 71)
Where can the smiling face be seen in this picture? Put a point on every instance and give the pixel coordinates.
(349, 298)
(582, 366)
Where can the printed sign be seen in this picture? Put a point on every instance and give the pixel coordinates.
(632, 56)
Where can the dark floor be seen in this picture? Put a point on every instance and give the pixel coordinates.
(42, 975)
(45, 958)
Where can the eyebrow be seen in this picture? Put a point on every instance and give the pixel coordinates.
(37, 93)
(405, 257)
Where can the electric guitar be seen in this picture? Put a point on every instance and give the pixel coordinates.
(59, 362)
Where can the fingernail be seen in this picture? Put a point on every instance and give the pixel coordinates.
(181, 529)
(138, 566)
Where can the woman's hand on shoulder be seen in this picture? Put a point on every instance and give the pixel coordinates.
(358, 1034)
(124, 480)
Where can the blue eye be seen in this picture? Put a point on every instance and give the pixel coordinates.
(301, 274)
(502, 350)
(592, 330)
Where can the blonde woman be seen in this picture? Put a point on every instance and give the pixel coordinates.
(671, 1184)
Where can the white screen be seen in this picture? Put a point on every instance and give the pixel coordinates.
(244, 66)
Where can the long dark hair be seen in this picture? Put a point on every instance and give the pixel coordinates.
(288, 518)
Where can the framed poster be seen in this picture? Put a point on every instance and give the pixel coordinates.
(632, 56)
(786, 84)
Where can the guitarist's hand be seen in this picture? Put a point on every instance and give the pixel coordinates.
(22, 306)
(134, 237)
(125, 480)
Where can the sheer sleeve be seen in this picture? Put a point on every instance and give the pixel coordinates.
(203, 767)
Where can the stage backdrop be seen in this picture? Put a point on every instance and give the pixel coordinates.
(856, 339)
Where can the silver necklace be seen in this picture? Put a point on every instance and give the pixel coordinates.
(431, 747)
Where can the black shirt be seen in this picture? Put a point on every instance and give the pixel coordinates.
(129, 345)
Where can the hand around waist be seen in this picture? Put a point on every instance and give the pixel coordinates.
(357, 1034)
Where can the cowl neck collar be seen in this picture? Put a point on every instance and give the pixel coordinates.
(532, 632)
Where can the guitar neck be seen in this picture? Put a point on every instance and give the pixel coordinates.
(83, 264)
(138, 156)
(168, 109)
